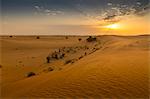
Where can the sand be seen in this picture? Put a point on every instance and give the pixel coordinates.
(111, 67)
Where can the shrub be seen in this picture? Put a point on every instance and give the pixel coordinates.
(50, 69)
(91, 39)
(31, 74)
(37, 37)
(68, 61)
(85, 53)
(79, 39)
(66, 37)
(11, 36)
(56, 56)
(80, 57)
(68, 51)
(48, 59)
(62, 56)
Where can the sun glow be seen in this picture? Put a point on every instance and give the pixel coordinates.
(113, 26)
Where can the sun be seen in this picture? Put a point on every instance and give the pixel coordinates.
(113, 26)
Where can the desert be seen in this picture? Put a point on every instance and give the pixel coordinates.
(105, 66)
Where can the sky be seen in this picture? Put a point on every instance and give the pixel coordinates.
(74, 17)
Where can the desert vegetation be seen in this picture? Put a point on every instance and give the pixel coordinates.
(55, 56)
(79, 39)
(67, 37)
(10, 36)
(30, 74)
(70, 65)
(37, 37)
(64, 52)
(68, 61)
(50, 69)
(91, 39)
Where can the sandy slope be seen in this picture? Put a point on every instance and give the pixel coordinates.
(118, 69)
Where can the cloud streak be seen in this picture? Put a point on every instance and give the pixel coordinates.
(114, 11)
(44, 11)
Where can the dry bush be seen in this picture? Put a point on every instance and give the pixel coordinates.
(80, 57)
(91, 39)
(68, 61)
(37, 37)
(66, 37)
(79, 39)
(50, 69)
(10, 36)
(31, 74)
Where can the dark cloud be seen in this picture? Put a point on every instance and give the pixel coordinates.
(109, 17)
(88, 8)
(138, 7)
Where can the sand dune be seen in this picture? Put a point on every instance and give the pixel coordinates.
(111, 67)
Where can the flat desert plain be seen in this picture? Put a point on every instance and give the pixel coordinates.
(107, 67)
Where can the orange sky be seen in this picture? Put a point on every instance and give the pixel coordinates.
(75, 17)
(128, 25)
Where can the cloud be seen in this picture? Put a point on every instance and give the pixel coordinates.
(114, 11)
(109, 4)
(53, 12)
(138, 3)
(111, 13)
(143, 10)
(109, 17)
(38, 8)
(44, 11)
